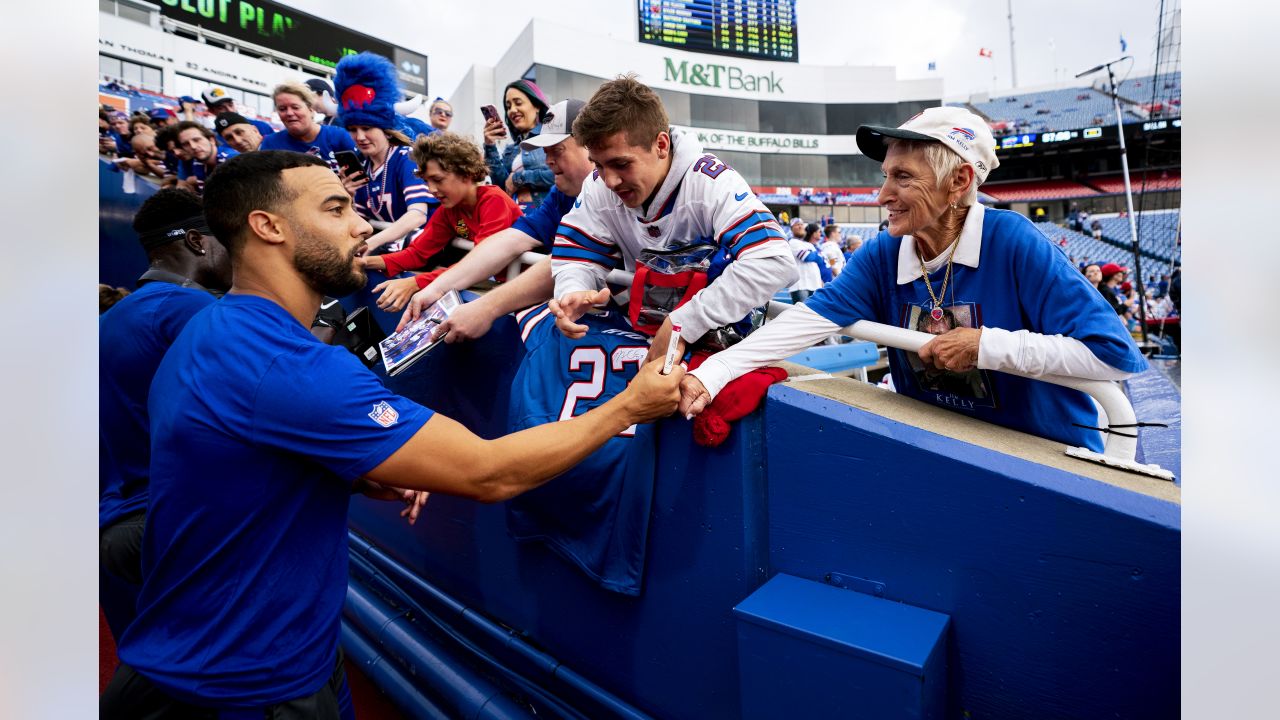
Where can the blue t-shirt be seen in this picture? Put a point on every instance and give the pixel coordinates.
(393, 189)
(200, 171)
(596, 515)
(1021, 283)
(541, 222)
(132, 339)
(258, 430)
(330, 140)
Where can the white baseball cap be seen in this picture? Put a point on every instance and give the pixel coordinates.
(215, 95)
(957, 128)
(557, 124)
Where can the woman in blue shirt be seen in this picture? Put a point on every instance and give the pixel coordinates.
(295, 104)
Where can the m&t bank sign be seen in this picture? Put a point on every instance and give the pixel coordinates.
(725, 77)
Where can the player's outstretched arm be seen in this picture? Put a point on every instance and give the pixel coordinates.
(443, 456)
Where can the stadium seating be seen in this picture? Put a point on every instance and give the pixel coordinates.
(1037, 190)
(1153, 182)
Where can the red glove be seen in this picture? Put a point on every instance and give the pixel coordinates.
(736, 400)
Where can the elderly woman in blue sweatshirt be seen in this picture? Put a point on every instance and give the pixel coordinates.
(523, 173)
(986, 282)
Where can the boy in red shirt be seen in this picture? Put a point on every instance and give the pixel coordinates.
(453, 168)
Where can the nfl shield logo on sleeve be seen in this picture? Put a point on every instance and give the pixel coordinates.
(384, 414)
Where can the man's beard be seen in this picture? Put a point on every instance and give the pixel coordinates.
(327, 270)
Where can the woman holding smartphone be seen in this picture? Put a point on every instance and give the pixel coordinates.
(384, 186)
(522, 173)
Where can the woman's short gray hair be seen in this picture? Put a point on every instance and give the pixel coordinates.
(943, 161)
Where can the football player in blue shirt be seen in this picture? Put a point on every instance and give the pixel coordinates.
(187, 266)
(245, 558)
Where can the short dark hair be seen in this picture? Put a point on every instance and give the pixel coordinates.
(831, 229)
(166, 207)
(248, 182)
(621, 105)
(191, 125)
(166, 135)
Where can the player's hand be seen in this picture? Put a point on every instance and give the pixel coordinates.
(494, 131)
(414, 501)
(652, 395)
(420, 301)
(468, 322)
(395, 293)
(955, 350)
(694, 397)
(354, 181)
(574, 305)
(658, 348)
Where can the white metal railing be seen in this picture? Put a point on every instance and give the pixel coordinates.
(1107, 394)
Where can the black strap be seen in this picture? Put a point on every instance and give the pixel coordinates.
(1109, 429)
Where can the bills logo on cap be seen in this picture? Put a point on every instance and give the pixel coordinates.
(384, 414)
(357, 96)
(966, 133)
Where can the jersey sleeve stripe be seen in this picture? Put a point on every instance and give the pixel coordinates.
(565, 252)
(532, 323)
(760, 234)
(581, 238)
(752, 218)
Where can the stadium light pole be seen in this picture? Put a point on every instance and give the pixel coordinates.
(1128, 188)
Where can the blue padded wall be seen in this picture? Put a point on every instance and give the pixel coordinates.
(1063, 592)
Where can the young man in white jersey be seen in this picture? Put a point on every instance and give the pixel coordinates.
(655, 188)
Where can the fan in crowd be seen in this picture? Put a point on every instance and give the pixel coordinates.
(219, 101)
(238, 132)
(441, 114)
(454, 169)
(522, 173)
(386, 188)
(198, 141)
(1016, 302)
(296, 105)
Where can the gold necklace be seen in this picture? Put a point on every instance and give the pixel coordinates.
(936, 312)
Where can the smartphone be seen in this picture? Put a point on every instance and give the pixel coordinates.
(489, 112)
(351, 164)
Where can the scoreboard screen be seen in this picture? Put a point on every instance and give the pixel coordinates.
(758, 29)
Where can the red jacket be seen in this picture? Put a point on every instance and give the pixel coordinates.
(494, 210)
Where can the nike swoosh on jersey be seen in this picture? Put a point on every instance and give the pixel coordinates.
(741, 197)
(326, 306)
(577, 203)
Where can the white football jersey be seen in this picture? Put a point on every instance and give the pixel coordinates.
(701, 200)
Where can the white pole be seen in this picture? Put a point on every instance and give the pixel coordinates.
(1128, 199)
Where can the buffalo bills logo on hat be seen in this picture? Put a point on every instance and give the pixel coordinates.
(966, 133)
(357, 96)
